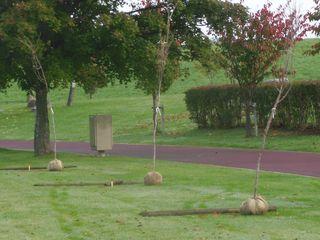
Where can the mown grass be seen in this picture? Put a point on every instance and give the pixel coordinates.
(29, 212)
(131, 111)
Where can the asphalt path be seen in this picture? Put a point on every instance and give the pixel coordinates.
(301, 163)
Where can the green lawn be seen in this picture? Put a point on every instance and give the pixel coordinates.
(131, 111)
(29, 212)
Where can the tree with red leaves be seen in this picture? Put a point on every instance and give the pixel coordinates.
(252, 45)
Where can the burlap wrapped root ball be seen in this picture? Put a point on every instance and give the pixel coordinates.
(254, 206)
(55, 165)
(153, 178)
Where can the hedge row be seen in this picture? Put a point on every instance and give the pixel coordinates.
(222, 106)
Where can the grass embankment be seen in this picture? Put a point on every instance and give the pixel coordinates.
(131, 111)
(39, 213)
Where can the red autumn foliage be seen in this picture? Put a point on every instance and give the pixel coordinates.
(252, 45)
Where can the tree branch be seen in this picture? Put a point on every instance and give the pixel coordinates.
(152, 7)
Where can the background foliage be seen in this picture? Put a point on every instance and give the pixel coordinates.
(222, 106)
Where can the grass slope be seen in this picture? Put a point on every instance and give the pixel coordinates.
(76, 213)
(131, 111)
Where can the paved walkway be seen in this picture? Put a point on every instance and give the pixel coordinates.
(307, 164)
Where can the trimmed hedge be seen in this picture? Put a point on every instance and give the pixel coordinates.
(222, 106)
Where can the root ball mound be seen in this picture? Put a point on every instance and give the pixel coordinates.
(55, 165)
(153, 178)
(254, 206)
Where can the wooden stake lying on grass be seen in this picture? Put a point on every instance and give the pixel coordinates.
(29, 168)
(197, 212)
(84, 184)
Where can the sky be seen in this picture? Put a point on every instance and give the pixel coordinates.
(302, 5)
(305, 5)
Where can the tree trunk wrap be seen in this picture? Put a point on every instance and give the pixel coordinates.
(42, 127)
(155, 99)
(248, 118)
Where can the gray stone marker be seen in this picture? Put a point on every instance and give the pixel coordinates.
(101, 133)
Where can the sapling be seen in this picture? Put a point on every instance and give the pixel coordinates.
(155, 178)
(295, 29)
(257, 204)
(55, 164)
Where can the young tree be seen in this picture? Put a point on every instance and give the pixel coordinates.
(187, 40)
(296, 28)
(251, 45)
(162, 57)
(44, 44)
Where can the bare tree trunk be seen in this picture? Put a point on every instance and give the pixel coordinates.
(30, 98)
(248, 97)
(42, 128)
(31, 102)
(279, 99)
(255, 114)
(248, 118)
(42, 131)
(162, 118)
(71, 93)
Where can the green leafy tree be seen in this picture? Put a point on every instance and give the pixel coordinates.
(44, 44)
(187, 41)
(314, 17)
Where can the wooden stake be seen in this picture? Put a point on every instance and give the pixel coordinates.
(197, 212)
(84, 184)
(29, 168)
